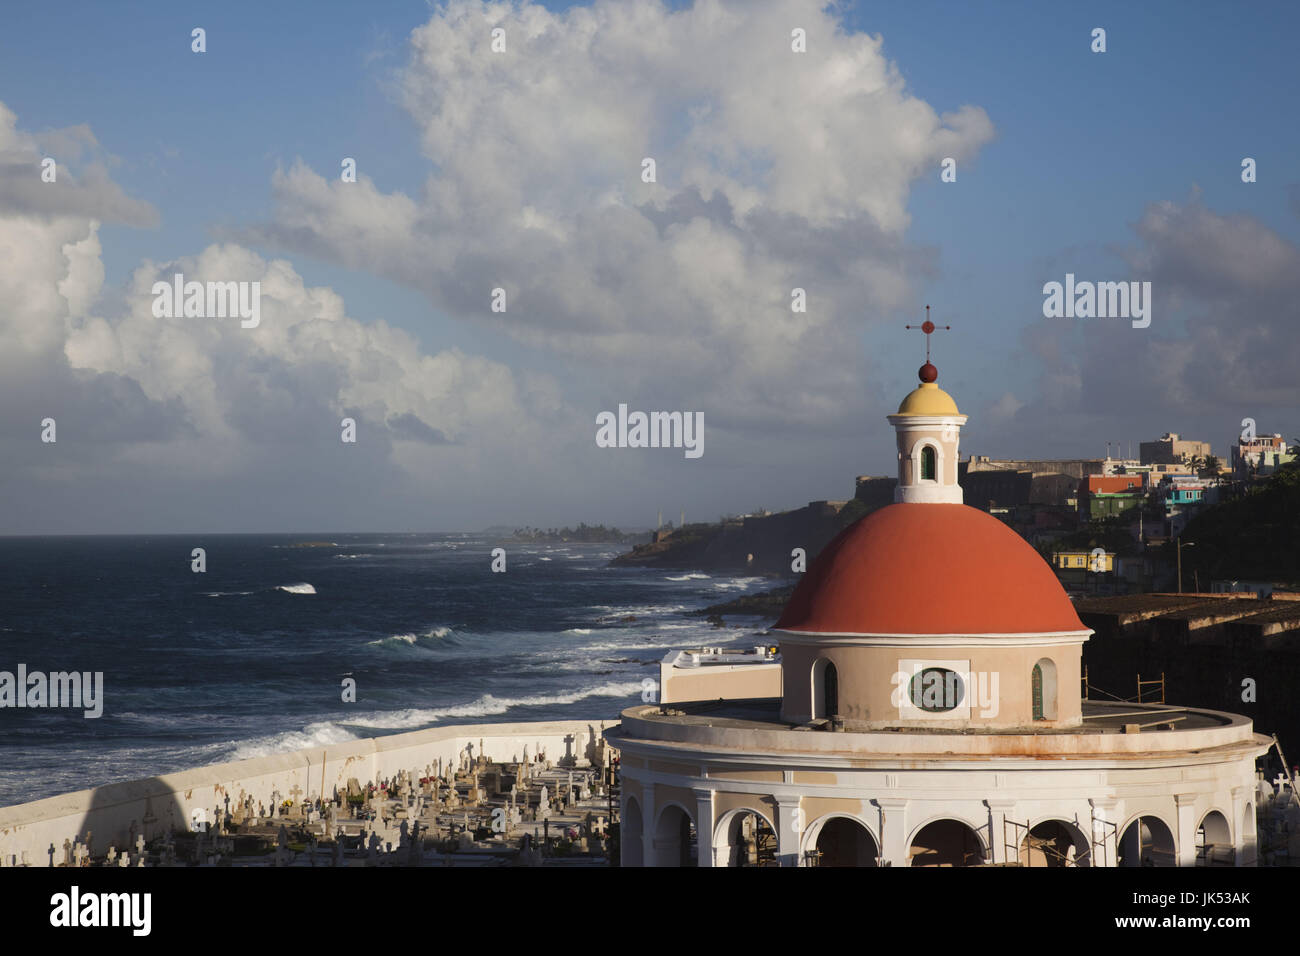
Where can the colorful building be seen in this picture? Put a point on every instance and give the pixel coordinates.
(1111, 496)
(1259, 456)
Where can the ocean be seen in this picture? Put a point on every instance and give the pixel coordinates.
(249, 658)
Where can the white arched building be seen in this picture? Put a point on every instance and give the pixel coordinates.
(931, 714)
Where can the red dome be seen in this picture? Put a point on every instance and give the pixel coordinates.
(929, 569)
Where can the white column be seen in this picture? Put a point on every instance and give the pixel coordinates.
(1000, 810)
(1185, 837)
(1105, 839)
(893, 831)
(704, 827)
(789, 829)
(1243, 828)
(649, 856)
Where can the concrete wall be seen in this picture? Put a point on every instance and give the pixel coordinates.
(717, 681)
(116, 813)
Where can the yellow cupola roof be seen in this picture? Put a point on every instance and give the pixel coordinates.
(928, 399)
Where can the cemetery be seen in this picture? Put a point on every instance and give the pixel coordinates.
(489, 795)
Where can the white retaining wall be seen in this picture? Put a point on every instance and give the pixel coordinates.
(117, 812)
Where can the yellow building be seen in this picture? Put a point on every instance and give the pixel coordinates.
(1099, 561)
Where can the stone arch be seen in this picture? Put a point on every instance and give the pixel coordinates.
(630, 834)
(731, 846)
(825, 688)
(1214, 846)
(1055, 842)
(945, 841)
(674, 837)
(1147, 840)
(1042, 685)
(840, 839)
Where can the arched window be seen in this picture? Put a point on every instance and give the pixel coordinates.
(927, 463)
(826, 690)
(1043, 689)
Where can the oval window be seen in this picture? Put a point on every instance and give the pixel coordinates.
(936, 689)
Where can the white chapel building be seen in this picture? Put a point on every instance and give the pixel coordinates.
(925, 709)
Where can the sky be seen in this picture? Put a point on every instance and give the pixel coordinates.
(522, 169)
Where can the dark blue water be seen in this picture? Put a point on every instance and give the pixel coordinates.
(228, 664)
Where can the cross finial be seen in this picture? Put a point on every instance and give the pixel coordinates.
(928, 328)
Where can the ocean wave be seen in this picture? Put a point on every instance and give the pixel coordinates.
(300, 588)
(313, 735)
(641, 611)
(488, 706)
(227, 593)
(441, 634)
(578, 630)
(736, 584)
(690, 577)
(641, 642)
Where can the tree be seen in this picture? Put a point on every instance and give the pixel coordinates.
(1212, 467)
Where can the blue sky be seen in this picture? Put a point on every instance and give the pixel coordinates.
(1081, 144)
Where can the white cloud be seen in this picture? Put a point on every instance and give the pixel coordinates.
(159, 409)
(775, 170)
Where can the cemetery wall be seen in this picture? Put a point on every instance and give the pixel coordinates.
(34, 833)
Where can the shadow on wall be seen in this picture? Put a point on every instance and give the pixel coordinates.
(118, 818)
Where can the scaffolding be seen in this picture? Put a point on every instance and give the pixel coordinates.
(1106, 695)
(1151, 683)
(1044, 845)
(1104, 843)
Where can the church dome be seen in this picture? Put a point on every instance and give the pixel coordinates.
(918, 569)
(928, 399)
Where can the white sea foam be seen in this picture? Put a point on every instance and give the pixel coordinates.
(313, 735)
(301, 588)
(488, 706)
(405, 641)
(227, 593)
(690, 577)
(736, 584)
(578, 630)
